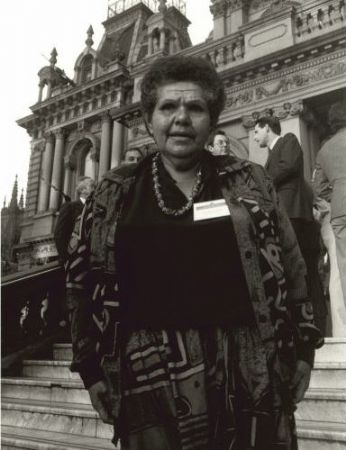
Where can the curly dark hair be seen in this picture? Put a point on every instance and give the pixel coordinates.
(183, 68)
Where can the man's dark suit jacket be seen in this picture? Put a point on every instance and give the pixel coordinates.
(64, 226)
(286, 167)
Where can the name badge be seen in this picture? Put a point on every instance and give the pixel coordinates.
(210, 210)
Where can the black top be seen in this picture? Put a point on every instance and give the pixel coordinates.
(174, 272)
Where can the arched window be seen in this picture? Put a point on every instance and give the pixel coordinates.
(86, 69)
(88, 169)
(84, 165)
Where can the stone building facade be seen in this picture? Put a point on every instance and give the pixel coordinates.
(287, 56)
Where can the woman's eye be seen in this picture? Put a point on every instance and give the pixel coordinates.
(196, 107)
(167, 107)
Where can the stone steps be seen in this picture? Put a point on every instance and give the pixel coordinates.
(329, 375)
(48, 389)
(327, 405)
(62, 352)
(320, 435)
(48, 369)
(14, 438)
(321, 416)
(334, 350)
(48, 408)
(71, 418)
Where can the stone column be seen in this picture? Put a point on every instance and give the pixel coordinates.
(117, 143)
(58, 164)
(45, 175)
(150, 45)
(49, 89)
(40, 92)
(105, 144)
(67, 177)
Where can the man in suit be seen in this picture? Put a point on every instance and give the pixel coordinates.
(68, 215)
(331, 168)
(285, 165)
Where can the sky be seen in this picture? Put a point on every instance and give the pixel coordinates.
(29, 29)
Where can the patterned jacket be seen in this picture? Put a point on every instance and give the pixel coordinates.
(92, 270)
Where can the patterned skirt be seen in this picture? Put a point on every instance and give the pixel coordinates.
(207, 389)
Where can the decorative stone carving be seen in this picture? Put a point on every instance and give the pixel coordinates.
(89, 42)
(282, 112)
(280, 5)
(242, 98)
(306, 76)
(60, 133)
(259, 4)
(219, 9)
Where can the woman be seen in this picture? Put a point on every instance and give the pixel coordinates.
(187, 330)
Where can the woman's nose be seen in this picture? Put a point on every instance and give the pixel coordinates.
(183, 115)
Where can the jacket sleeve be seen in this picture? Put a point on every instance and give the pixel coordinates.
(308, 335)
(320, 183)
(63, 230)
(288, 160)
(79, 281)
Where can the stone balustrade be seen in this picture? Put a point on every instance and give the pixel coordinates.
(229, 51)
(319, 18)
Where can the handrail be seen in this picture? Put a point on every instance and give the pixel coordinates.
(16, 277)
(32, 306)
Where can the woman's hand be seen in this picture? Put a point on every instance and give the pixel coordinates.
(99, 399)
(301, 380)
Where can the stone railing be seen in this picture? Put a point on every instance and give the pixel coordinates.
(32, 306)
(318, 18)
(223, 53)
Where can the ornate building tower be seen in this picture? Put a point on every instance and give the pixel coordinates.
(11, 218)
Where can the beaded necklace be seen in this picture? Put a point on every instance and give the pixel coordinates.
(158, 195)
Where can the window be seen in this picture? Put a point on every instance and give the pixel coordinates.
(86, 69)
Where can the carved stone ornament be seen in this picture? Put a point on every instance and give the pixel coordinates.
(280, 5)
(259, 4)
(307, 76)
(38, 147)
(221, 7)
(60, 133)
(281, 112)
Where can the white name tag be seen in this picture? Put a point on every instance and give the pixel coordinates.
(210, 210)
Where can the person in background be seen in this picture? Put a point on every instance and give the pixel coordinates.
(331, 168)
(132, 155)
(322, 191)
(285, 165)
(68, 215)
(171, 281)
(219, 143)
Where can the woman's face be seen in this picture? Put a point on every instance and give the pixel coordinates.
(180, 122)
